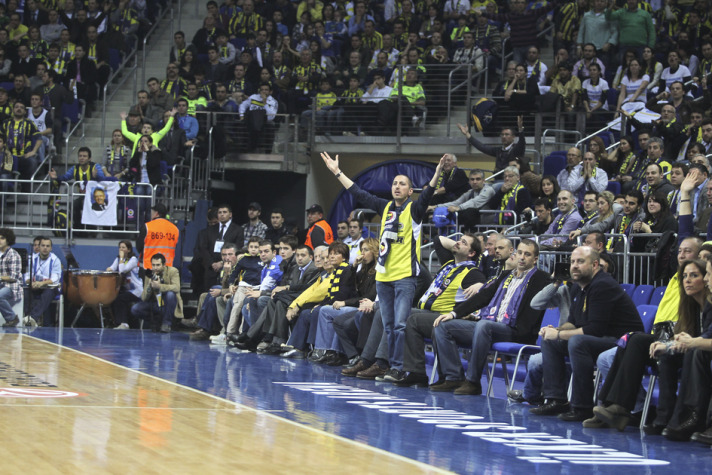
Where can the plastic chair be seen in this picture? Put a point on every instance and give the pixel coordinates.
(551, 317)
(554, 163)
(657, 296)
(614, 187)
(642, 294)
(647, 315)
(629, 288)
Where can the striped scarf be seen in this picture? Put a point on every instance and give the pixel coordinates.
(336, 281)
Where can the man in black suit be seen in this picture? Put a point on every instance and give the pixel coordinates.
(34, 16)
(209, 251)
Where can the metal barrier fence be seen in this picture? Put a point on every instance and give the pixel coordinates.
(133, 208)
(25, 205)
(448, 90)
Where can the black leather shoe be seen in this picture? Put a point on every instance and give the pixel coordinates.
(413, 379)
(685, 430)
(576, 415)
(447, 385)
(552, 407)
(653, 429)
(703, 437)
(317, 356)
(360, 365)
(336, 359)
(11, 323)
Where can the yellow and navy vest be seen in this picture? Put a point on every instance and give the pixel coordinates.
(404, 256)
(448, 298)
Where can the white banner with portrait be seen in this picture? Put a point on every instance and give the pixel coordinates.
(100, 203)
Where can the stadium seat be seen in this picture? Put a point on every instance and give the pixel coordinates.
(629, 288)
(642, 294)
(551, 317)
(647, 314)
(657, 296)
(614, 187)
(553, 164)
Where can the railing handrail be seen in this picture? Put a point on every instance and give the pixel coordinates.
(148, 35)
(133, 55)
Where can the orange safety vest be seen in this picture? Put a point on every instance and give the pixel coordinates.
(161, 237)
(328, 234)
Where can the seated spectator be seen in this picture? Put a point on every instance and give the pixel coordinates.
(535, 68)
(196, 102)
(573, 160)
(508, 151)
(624, 159)
(528, 178)
(254, 227)
(146, 130)
(20, 92)
(43, 278)
(451, 183)
(97, 51)
(581, 67)
(589, 208)
(11, 277)
(390, 52)
(306, 76)
(377, 92)
(185, 121)
(188, 65)
(348, 104)
(655, 181)
(43, 123)
(355, 68)
(675, 72)
(23, 141)
(609, 313)
(342, 230)
(632, 213)
(160, 300)
(567, 86)
(586, 176)
(594, 95)
(239, 87)
(173, 144)
(277, 229)
(511, 199)
(174, 85)
(5, 67)
(632, 87)
(116, 156)
(668, 128)
(180, 47)
(672, 324)
(521, 93)
(675, 96)
(505, 318)
(81, 74)
(24, 65)
(158, 97)
(126, 264)
(549, 189)
(468, 204)
(215, 70)
(258, 111)
(412, 103)
(605, 218)
(652, 67)
(327, 347)
(542, 220)
(50, 32)
(149, 112)
(678, 171)
(658, 219)
(568, 220)
(209, 316)
(324, 102)
(488, 39)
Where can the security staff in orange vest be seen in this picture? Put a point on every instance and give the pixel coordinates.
(158, 236)
(319, 233)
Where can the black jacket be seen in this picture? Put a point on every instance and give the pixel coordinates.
(153, 167)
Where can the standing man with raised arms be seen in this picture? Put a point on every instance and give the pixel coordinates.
(398, 263)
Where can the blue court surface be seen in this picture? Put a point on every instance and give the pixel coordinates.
(464, 434)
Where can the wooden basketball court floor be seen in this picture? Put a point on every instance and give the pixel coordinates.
(108, 401)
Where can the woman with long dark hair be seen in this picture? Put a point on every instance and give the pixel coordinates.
(657, 219)
(126, 264)
(624, 156)
(620, 389)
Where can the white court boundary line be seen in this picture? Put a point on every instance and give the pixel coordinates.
(402, 458)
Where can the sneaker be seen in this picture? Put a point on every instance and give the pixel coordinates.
(166, 328)
(28, 321)
(394, 375)
(122, 326)
(220, 339)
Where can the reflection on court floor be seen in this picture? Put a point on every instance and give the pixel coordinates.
(281, 415)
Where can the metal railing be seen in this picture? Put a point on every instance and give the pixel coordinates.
(18, 200)
(72, 130)
(506, 57)
(108, 97)
(126, 223)
(558, 135)
(146, 44)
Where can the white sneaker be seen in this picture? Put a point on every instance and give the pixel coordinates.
(123, 326)
(29, 321)
(220, 339)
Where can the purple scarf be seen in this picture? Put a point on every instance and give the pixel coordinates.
(510, 315)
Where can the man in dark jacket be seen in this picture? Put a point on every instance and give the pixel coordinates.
(601, 312)
(508, 151)
(504, 315)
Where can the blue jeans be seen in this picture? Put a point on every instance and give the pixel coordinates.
(326, 338)
(449, 335)
(395, 300)
(535, 375)
(305, 328)
(143, 309)
(6, 303)
(583, 350)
